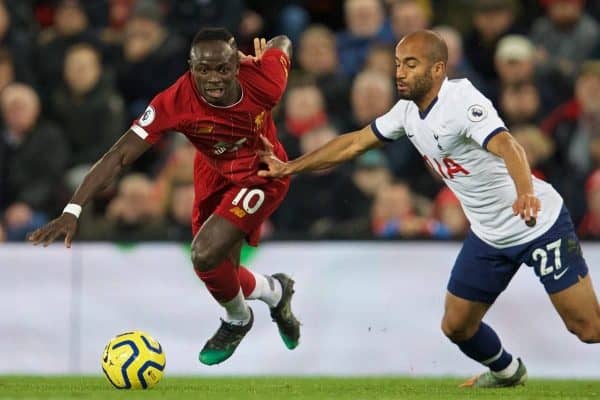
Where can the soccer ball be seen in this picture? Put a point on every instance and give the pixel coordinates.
(133, 360)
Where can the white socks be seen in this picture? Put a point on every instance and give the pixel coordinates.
(238, 312)
(267, 289)
(509, 371)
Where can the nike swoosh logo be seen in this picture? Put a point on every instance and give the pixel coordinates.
(409, 135)
(557, 277)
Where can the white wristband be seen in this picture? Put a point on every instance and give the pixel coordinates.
(73, 208)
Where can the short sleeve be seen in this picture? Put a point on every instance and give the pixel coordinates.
(275, 67)
(479, 118)
(155, 120)
(390, 126)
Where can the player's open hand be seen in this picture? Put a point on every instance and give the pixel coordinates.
(527, 206)
(260, 46)
(65, 225)
(275, 167)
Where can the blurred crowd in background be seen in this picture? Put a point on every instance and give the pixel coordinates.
(74, 74)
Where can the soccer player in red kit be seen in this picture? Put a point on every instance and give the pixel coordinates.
(222, 105)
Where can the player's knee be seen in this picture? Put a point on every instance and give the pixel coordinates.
(204, 258)
(457, 331)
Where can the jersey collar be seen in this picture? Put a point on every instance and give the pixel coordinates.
(423, 114)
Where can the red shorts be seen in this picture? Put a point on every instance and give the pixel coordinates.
(245, 207)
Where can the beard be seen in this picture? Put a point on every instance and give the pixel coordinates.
(422, 85)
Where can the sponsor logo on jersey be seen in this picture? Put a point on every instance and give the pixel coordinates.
(223, 147)
(476, 113)
(446, 167)
(219, 148)
(148, 116)
(238, 212)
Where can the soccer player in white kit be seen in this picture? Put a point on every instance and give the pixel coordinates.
(515, 218)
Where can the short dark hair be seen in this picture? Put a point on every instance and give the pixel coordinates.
(438, 49)
(435, 48)
(219, 34)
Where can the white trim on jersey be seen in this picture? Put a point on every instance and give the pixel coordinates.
(378, 133)
(493, 133)
(141, 132)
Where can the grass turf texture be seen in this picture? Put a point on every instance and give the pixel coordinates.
(272, 388)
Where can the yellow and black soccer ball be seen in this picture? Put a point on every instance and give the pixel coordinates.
(133, 360)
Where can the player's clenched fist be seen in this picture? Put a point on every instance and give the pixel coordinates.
(527, 207)
(65, 225)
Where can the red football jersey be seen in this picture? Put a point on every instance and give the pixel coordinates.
(227, 137)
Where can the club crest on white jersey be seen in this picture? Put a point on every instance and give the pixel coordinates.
(476, 113)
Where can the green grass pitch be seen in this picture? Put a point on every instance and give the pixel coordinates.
(272, 388)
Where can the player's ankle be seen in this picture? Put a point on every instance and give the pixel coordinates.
(237, 321)
(509, 371)
(277, 292)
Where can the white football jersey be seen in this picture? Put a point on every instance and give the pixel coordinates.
(452, 135)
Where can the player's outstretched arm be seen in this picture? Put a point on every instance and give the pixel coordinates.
(261, 45)
(125, 151)
(343, 148)
(527, 205)
(281, 42)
